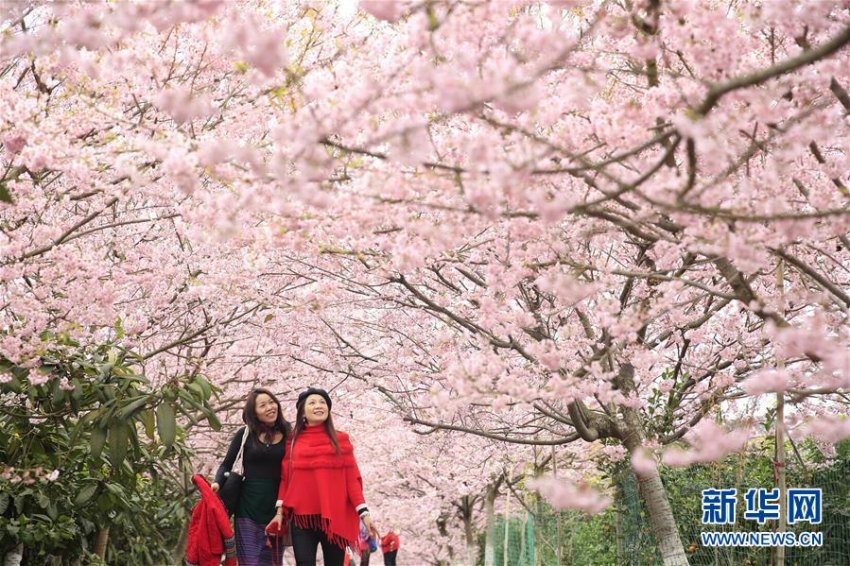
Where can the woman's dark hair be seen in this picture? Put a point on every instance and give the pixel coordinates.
(301, 422)
(255, 425)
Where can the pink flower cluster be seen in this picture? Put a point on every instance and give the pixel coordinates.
(566, 494)
(27, 476)
(828, 428)
(709, 442)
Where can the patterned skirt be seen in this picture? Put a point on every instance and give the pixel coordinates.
(252, 548)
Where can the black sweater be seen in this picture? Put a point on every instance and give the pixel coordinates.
(261, 461)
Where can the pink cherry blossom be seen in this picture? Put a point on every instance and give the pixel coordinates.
(709, 442)
(565, 494)
(829, 429)
(468, 219)
(182, 105)
(765, 380)
(643, 462)
(14, 143)
(387, 10)
(37, 378)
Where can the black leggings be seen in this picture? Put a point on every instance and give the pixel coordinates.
(389, 558)
(305, 543)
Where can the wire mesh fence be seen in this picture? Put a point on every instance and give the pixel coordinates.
(621, 535)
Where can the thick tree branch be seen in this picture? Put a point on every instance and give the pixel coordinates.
(511, 440)
(67, 234)
(717, 91)
(805, 269)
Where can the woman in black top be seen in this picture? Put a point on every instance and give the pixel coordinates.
(261, 458)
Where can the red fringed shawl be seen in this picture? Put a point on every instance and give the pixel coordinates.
(323, 488)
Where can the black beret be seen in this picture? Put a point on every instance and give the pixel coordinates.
(313, 391)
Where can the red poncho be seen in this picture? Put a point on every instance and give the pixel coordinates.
(323, 488)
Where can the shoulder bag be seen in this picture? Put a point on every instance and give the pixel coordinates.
(230, 491)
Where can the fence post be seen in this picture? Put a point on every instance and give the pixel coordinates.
(779, 463)
(507, 527)
(558, 516)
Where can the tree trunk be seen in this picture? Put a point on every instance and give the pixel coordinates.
(466, 512)
(471, 547)
(15, 556)
(179, 551)
(661, 519)
(506, 547)
(442, 522)
(490, 539)
(100, 542)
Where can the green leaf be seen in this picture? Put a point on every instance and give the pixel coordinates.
(104, 372)
(116, 489)
(85, 494)
(58, 395)
(82, 424)
(188, 414)
(119, 329)
(205, 386)
(132, 407)
(36, 447)
(4, 502)
(118, 434)
(98, 439)
(196, 388)
(166, 423)
(191, 401)
(150, 419)
(213, 420)
(129, 376)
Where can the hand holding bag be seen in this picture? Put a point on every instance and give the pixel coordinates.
(282, 534)
(230, 491)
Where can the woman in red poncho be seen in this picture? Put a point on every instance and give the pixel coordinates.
(321, 491)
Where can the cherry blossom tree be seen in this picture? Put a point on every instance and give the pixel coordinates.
(570, 224)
